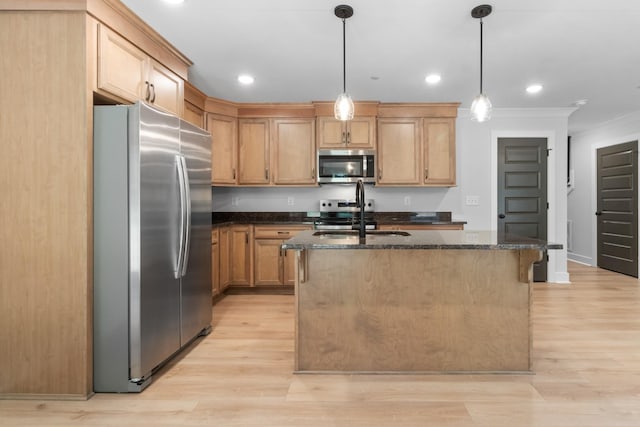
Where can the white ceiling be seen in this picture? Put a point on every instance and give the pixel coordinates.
(577, 49)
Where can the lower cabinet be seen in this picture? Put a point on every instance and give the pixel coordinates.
(272, 266)
(240, 238)
(224, 259)
(215, 262)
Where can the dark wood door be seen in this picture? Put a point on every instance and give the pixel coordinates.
(617, 208)
(522, 191)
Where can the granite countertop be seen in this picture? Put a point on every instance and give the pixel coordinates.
(450, 239)
(382, 218)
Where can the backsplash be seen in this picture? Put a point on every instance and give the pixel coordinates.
(269, 199)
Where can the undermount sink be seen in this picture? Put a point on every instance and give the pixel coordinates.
(351, 233)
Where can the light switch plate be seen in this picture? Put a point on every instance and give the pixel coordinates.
(291, 201)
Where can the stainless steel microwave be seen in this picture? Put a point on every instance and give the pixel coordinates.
(345, 166)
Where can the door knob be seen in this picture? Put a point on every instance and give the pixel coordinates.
(598, 213)
(502, 216)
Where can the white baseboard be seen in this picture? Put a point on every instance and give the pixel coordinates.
(581, 259)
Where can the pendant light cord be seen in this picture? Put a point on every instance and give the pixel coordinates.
(481, 56)
(344, 56)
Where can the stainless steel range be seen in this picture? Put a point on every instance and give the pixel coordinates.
(337, 214)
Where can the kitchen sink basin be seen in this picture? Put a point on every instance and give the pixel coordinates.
(354, 233)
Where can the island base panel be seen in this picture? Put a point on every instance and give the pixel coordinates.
(413, 311)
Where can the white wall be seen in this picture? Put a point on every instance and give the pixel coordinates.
(581, 201)
(476, 148)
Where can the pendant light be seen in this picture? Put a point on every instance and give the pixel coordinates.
(481, 106)
(343, 108)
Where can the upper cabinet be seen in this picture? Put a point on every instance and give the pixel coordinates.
(222, 124)
(416, 145)
(293, 152)
(128, 73)
(399, 148)
(276, 145)
(358, 133)
(253, 152)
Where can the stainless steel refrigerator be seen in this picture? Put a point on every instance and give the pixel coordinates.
(152, 242)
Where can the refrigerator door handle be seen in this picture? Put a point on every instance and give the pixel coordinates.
(187, 212)
(181, 244)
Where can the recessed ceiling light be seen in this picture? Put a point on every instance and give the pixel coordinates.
(245, 79)
(534, 88)
(433, 79)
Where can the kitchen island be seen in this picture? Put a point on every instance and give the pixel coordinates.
(422, 301)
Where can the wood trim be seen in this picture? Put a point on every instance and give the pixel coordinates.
(122, 20)
(418, 110)
(289, 110)
(194, 96)
(362, 108)
(39, 5)
(221, 106)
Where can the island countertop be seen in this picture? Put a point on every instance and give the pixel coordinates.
(423, 239)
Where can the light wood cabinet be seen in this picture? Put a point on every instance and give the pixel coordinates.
(224, 263)
(253, 152)
(409, 227)
(241, 257)
(416, 152)
(276, 151)
(224, 148)
(272, 266)
(215, 262)
(399, 148)
(293, 151)
(439, 152)
(358, 133)
(193, 115)
(128, 73)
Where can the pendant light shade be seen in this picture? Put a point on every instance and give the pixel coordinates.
(343, 108)
(481, 106)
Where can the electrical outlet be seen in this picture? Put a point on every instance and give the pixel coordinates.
(291, 201)
(473, 200)
(407, 200)
(235, 201)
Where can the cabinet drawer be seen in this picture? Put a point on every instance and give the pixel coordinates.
(278, 232)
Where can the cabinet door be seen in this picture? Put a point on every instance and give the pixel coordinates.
(240, 255)
(267, 262)
(121, 66)
(167, 89)
(361, 133)
(225, 257)
(193, 115)
(289, 268)
(439, 152)
(215, 268)
(253, 147)
(331, 133)
(223, 148)
(399, 151)
(294, 151)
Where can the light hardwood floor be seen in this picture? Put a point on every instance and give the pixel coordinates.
(587, 374)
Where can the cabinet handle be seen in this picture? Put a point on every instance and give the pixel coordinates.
(348, 137)
(153, 93)
(266, 174)
(283, 232)
(148, 92)
(379, 173)
(234, 173)
(344, 137)
(426, 173)
(246, 237)
(313, 173)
